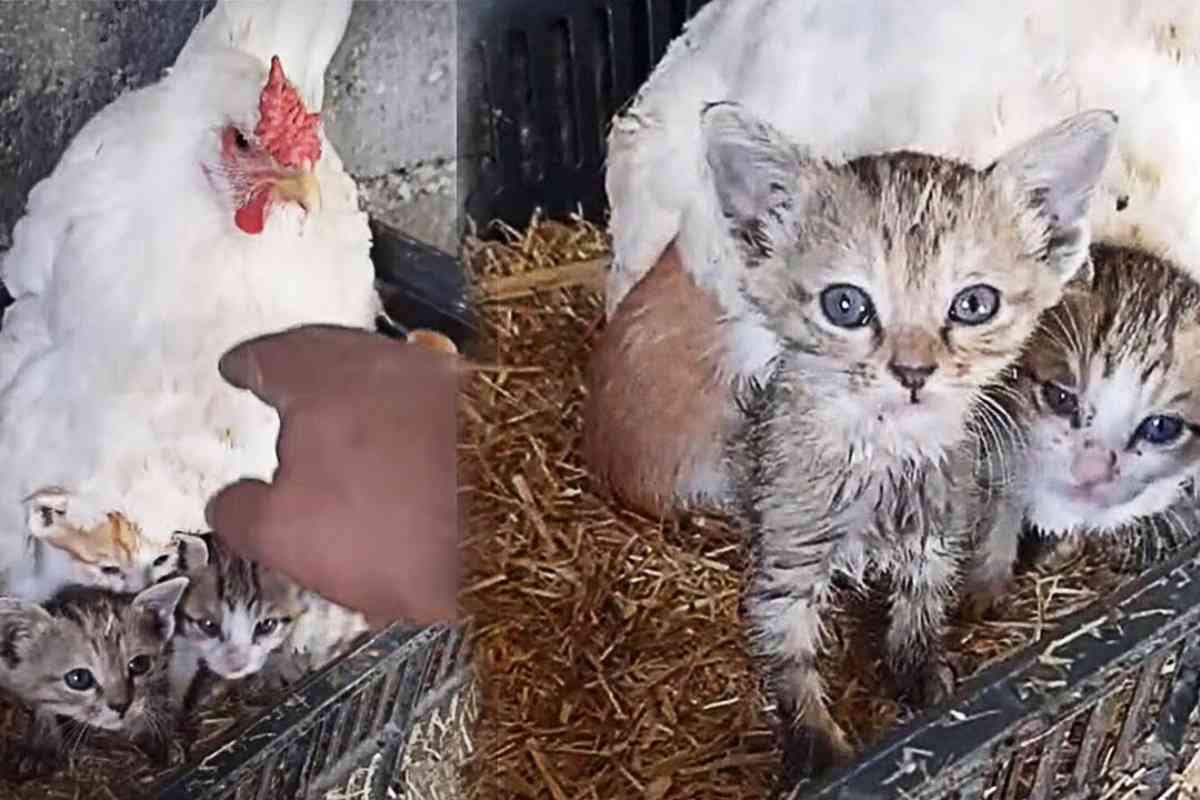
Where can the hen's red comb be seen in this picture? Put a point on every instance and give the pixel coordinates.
(285, 128)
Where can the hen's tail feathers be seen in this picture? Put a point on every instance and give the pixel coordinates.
(304, 34)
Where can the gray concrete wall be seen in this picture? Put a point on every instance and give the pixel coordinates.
(390, 95)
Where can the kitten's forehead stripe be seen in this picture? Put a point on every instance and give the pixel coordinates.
(922, 194)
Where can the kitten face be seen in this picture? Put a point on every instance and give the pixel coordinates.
(235, 613)
(88, 654)
(1112, 377)
(113, 555)
(899, 285)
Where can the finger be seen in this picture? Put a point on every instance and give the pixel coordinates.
(235, 515)
(267, 365)
(433, 340)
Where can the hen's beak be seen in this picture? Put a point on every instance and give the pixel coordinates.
(302, 188)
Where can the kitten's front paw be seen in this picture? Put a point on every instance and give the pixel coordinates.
(985, 599)
(810, 750)
(929, 684)
(27, 763)
(1047, 553)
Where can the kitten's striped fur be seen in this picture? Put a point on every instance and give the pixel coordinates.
(864, 449)
(1123, 345)
(95, 657)
(234, 615)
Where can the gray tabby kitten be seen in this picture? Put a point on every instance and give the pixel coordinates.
(95, 657)
(234, 616)
(1112, 411)
(899, 287)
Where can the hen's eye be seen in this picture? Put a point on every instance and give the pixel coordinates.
(110, 570)
(975, 305)
(240, 141)
(1159, 429)
(847, 306)
(79, 680)
(266, 627)
(140, 665)
(1059, 400)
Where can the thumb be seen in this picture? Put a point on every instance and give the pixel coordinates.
(235, 514)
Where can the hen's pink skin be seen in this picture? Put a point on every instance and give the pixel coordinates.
(656, 412)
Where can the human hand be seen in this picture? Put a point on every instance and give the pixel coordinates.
(363, 507)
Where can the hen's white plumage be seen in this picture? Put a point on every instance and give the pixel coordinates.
(131, 279)
(966, 79)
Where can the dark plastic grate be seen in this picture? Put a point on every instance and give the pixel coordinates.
(1107, 696)
(540, 82)
(287, 749)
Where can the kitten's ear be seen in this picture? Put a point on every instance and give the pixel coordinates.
(754, 168)
(160, 601)
(1057, 172)
(192, 551)
(1081, 281)
(21, 625)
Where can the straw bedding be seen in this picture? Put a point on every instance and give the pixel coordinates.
(607, 648)
(105, 767)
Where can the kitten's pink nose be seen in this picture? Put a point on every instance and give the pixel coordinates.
(1093, 465)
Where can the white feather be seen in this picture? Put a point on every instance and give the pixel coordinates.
(966, 79)
(131, 280)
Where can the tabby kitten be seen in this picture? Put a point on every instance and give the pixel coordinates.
(1112, 405)
(899, 286)
(95, 657)
(234, 615)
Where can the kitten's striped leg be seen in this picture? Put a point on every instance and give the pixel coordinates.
(924, 580)
(995, 558)
(41, 753)
(790, 589)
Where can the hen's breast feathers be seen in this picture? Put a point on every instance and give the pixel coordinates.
(964, 80)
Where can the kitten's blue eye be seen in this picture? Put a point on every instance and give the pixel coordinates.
(140, 665)
(158, 562)
(110, 570)
(266, 627)
(1059, 400)
(975, 305)
(79, 680)
(1159, 429)
(207, 627)
(847, 306)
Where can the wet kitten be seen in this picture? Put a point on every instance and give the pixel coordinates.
(113, 555)
(1112, 411)
(899, 287)
(234, 615)
(95, 657)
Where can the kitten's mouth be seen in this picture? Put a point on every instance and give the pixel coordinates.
(108, 723)
(1093, 498)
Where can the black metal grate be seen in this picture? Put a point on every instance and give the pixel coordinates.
(284, 752)
(1107, 695)
(539, 82)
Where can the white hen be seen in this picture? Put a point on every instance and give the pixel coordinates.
(183, 218)
(967, 79)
